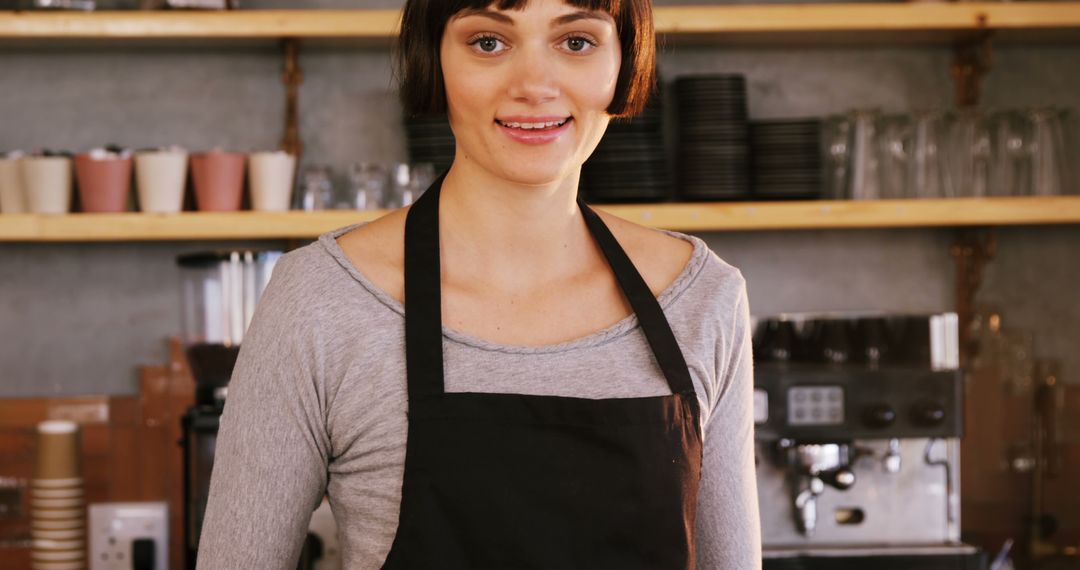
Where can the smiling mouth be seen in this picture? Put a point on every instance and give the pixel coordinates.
(534, 126)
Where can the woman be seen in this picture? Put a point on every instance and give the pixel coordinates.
(498, 377)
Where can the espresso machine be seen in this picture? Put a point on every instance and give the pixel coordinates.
(858, 424)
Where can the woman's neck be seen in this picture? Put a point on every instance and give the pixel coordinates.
(511, 235)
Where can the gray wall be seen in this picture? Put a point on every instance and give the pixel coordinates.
(80, 318)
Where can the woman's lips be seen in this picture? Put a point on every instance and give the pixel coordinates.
(535, 136)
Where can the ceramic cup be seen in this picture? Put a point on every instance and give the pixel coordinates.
(219, 180)
(47, 183)
(12, 194)
(159, 179)
(104, 181)
(271, 177)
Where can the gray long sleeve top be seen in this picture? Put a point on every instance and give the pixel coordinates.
(317, 405)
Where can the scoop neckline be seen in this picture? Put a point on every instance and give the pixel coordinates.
(626, 325)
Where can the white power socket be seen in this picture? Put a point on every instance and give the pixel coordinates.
(114, 528)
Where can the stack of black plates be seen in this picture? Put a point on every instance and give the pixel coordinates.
(713, 140)
(430, 140)
(786, 159)
(629, 164)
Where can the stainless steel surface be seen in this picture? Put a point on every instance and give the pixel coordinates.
(902, 508)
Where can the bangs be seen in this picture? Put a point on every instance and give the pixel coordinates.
(453, 7)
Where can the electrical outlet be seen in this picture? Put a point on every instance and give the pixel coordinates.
(127, 536)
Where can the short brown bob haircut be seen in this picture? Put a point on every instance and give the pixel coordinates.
(423, 22)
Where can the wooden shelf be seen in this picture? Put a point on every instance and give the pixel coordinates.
(791, 23)
(687, 217)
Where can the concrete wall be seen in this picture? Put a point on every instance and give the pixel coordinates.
(79, 318)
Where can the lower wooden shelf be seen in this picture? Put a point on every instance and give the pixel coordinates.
(681, 216)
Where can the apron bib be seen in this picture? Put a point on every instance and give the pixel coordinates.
(514, 482)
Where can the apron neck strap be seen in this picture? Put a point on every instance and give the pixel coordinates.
(423, 300)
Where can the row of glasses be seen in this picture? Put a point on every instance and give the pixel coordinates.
(369, 186)
(936, 154)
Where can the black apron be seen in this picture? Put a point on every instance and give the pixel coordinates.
(511, 481)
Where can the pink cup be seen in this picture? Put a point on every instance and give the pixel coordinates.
(104, 182)
(219, 180)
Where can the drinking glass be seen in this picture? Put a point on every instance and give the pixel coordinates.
(865, 182)
(1011, 151)
(894, 155)
(408, 182)
(927, 165)
(317, 192)
(1050, 167)
(836, 145)
(368, 186)
(969, 153)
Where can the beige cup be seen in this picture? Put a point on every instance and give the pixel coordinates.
(47, 183)
(58, 450)
(12, 194)
(159, 179)
(271, 177)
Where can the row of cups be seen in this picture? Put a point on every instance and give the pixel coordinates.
(57, 500)
(42, 184)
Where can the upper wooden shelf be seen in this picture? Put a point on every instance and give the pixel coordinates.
(687, 217)
(791, 23)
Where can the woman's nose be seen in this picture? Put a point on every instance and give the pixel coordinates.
(534, 79)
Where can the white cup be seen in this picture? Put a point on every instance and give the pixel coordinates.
(47, 182)
(159, 178)
(12, 194)
(271, 175)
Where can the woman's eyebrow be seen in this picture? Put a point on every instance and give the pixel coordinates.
(580, 15)
(503, 18)
(564, 19)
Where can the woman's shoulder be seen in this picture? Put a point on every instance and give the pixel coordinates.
(664, 258)
(660, 257)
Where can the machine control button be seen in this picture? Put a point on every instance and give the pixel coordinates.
(928, 414)
(879, 416)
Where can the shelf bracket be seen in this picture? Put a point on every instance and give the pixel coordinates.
(292, 76)
(972, 58)
(972, 251)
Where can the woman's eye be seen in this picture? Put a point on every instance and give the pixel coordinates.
(487, 44)
(579, 44)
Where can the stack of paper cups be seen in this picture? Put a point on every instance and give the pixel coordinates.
(57, 503)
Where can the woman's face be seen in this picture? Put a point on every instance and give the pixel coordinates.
(527, 90)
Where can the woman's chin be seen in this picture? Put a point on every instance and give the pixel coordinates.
(549, 172)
